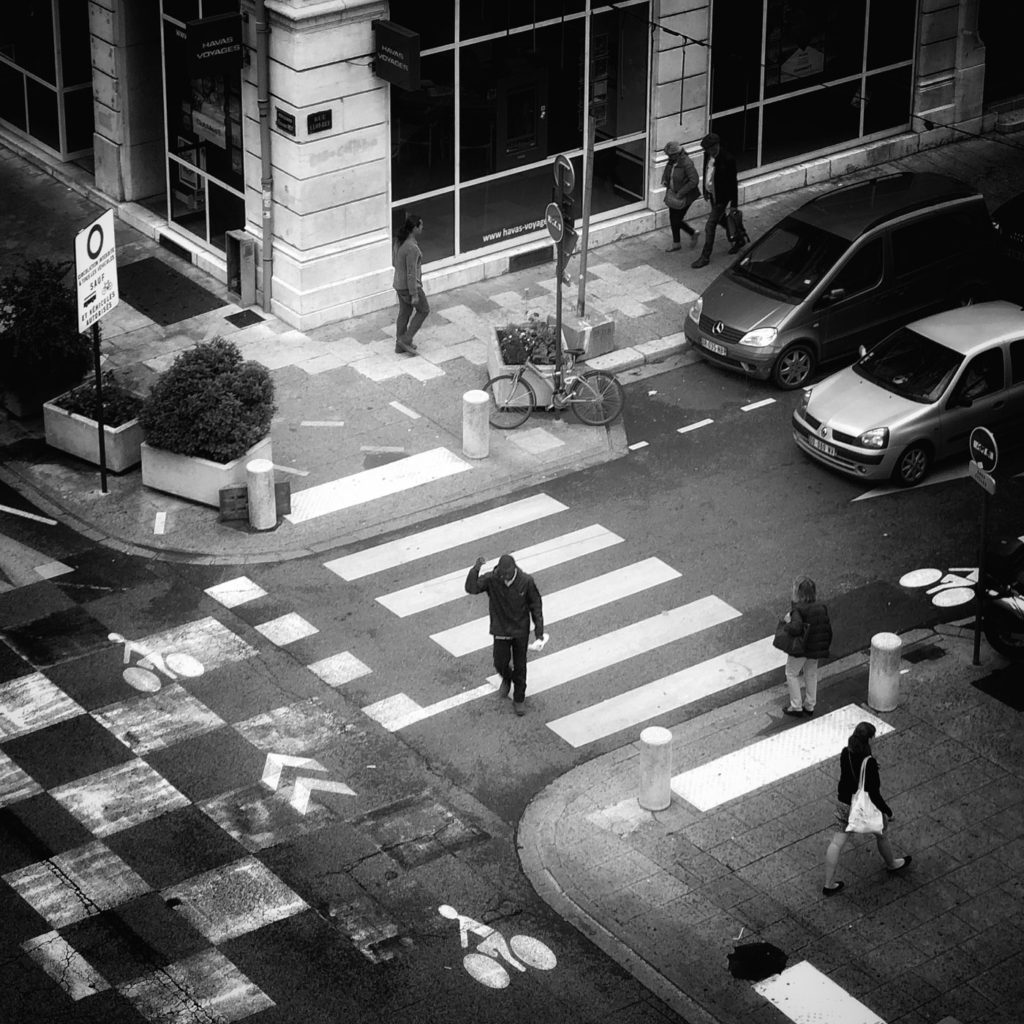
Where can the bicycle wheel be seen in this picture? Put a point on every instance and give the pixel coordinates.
(598, 398)
(512, 401)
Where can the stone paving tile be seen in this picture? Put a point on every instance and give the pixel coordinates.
(896, 998)
(966, 1004)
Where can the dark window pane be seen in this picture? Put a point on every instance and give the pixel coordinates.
(12, 96)
(434, 22)
(809, 42)
(78, 119)
(862, 270)
(43, 119)
(26, 36)
(76, 56)
(227, 212)
(618, 178)
(618, 56)
(482, 17)
(214, 7)
(438, 213)
(183, 10)
(927, 241)
(738, 133)
(888, 100)
(423, 130)
(736, 55)
(521, 99)
(891, 32)
(188, 202)
(813, 121)
(1017, 360)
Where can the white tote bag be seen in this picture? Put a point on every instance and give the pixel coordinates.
(864, 815)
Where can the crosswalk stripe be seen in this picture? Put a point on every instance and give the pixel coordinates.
(443, 538)
(370, 484)
(574, 600)
(400, 710)
(451, 586)
(668, 693)
(772, 759)
(806, 996)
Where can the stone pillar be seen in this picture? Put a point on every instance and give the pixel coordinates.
(259, 478)
(476, 428)
(884, 672)
(655, 768)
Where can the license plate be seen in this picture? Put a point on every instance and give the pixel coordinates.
(713, 346)
(826, 449)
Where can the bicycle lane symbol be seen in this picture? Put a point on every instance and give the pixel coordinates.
(143, 674)
(484, 964)
(947, 590)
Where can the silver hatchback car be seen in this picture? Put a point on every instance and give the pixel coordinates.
(915, 397)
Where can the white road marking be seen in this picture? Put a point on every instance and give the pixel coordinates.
(693, 426)
(442, 538)
(239, 590)
(339, 669)
(51, 570)
(276, 763)
(668, 693)
(65, 965)
(757, 405)
(637, 445)
(322, 423)
(370, 484)
(563, 604)
(806, 996)
(940, 476)
(405, 410)
(304, 787)
(398, 711)
(292, 470)
(286, 629)
(159, 522)
(769, 760)
(28, 515)
(451, 586)
(381, 449)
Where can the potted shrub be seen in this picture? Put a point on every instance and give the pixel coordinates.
(70, 423)
(510, 345)
(42, 352)
(205, 418)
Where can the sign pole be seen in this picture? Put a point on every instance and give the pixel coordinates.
(559, 269)
(979, 591)
(99, 405)
(984, 453)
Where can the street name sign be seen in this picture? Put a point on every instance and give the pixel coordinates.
(983, 449)
(96, 270)
(553, 219)
(979, 476)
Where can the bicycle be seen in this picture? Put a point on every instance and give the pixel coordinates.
(596, 397)
(143, 676)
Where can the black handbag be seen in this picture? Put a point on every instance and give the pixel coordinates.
(787, 642)
(737, 233)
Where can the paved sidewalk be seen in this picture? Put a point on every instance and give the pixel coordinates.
(670, 894)
(348, 405)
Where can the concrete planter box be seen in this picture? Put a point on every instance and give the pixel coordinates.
(593, 334)
(197, 479)
(78, 435)
(541, 382)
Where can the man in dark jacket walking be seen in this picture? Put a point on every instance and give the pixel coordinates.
(514, 599)
(721, 190)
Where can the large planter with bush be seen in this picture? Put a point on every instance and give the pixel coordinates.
(42, 352)
(71, 426)
(507, 349)
(206, 417)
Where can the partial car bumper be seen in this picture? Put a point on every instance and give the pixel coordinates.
(754, 362)
(856, 462)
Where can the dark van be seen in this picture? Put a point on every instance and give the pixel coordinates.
(843, 271)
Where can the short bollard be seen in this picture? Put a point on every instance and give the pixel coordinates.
(655, 768)
(476, 430)
(884, 672)
(259, 478)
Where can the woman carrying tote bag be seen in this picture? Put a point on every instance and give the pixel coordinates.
(855, 755)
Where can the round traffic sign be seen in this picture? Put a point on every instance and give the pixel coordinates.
(554, 221)
(983, 449)
(563, 166)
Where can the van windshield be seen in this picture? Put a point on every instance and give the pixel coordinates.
(792, 258)
(910, 365)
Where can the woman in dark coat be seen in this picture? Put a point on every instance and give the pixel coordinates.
(807, 618)
(858, 748)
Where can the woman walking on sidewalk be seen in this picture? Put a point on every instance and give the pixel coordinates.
(681, 192)
(808, 624)
(408, 284)
(856, 751)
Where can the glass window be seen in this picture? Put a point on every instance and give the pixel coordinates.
(911, 365)
(438, 213)
(736, 53)
(618, 55)
(618, 178)
(1017, 360)
(738, 133)
(188, 198)
(227, 211)
(423, 130)
(43, 117)
(926, 241)
(435, 23)
(183, 10)
(812, 120)
(984, 375)
(12, 96)
(863, 270)
(78, 119)
(887, 100)
(214, 7)
(482, 17)
(76, 54)
(792, 258)
(26, 36)
(891, 38)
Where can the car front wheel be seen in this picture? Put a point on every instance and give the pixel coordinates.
(913, 465)
(794, 367)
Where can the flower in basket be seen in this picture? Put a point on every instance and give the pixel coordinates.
(209, 403)
(120, 403)
(535, 335)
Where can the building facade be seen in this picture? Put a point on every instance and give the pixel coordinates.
(159, 100)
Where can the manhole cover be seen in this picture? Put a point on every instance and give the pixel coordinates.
(756, 961)
(927, 652)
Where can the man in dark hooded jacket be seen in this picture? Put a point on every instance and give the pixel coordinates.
(514, 599)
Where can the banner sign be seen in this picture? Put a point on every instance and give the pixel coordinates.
(215, 46)
(398, 55)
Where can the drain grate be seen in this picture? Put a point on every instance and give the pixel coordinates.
(246, 318)
(926, 652)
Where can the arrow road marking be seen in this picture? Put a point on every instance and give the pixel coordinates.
(276, 762)
(304, 787)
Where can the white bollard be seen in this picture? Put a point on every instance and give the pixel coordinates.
(476, 429)
(884, 672)
(259, 477)
(655, 768)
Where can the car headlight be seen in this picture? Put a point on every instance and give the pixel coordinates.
(877, 438)
(761, 338)
(695, 309)
(805, 399)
